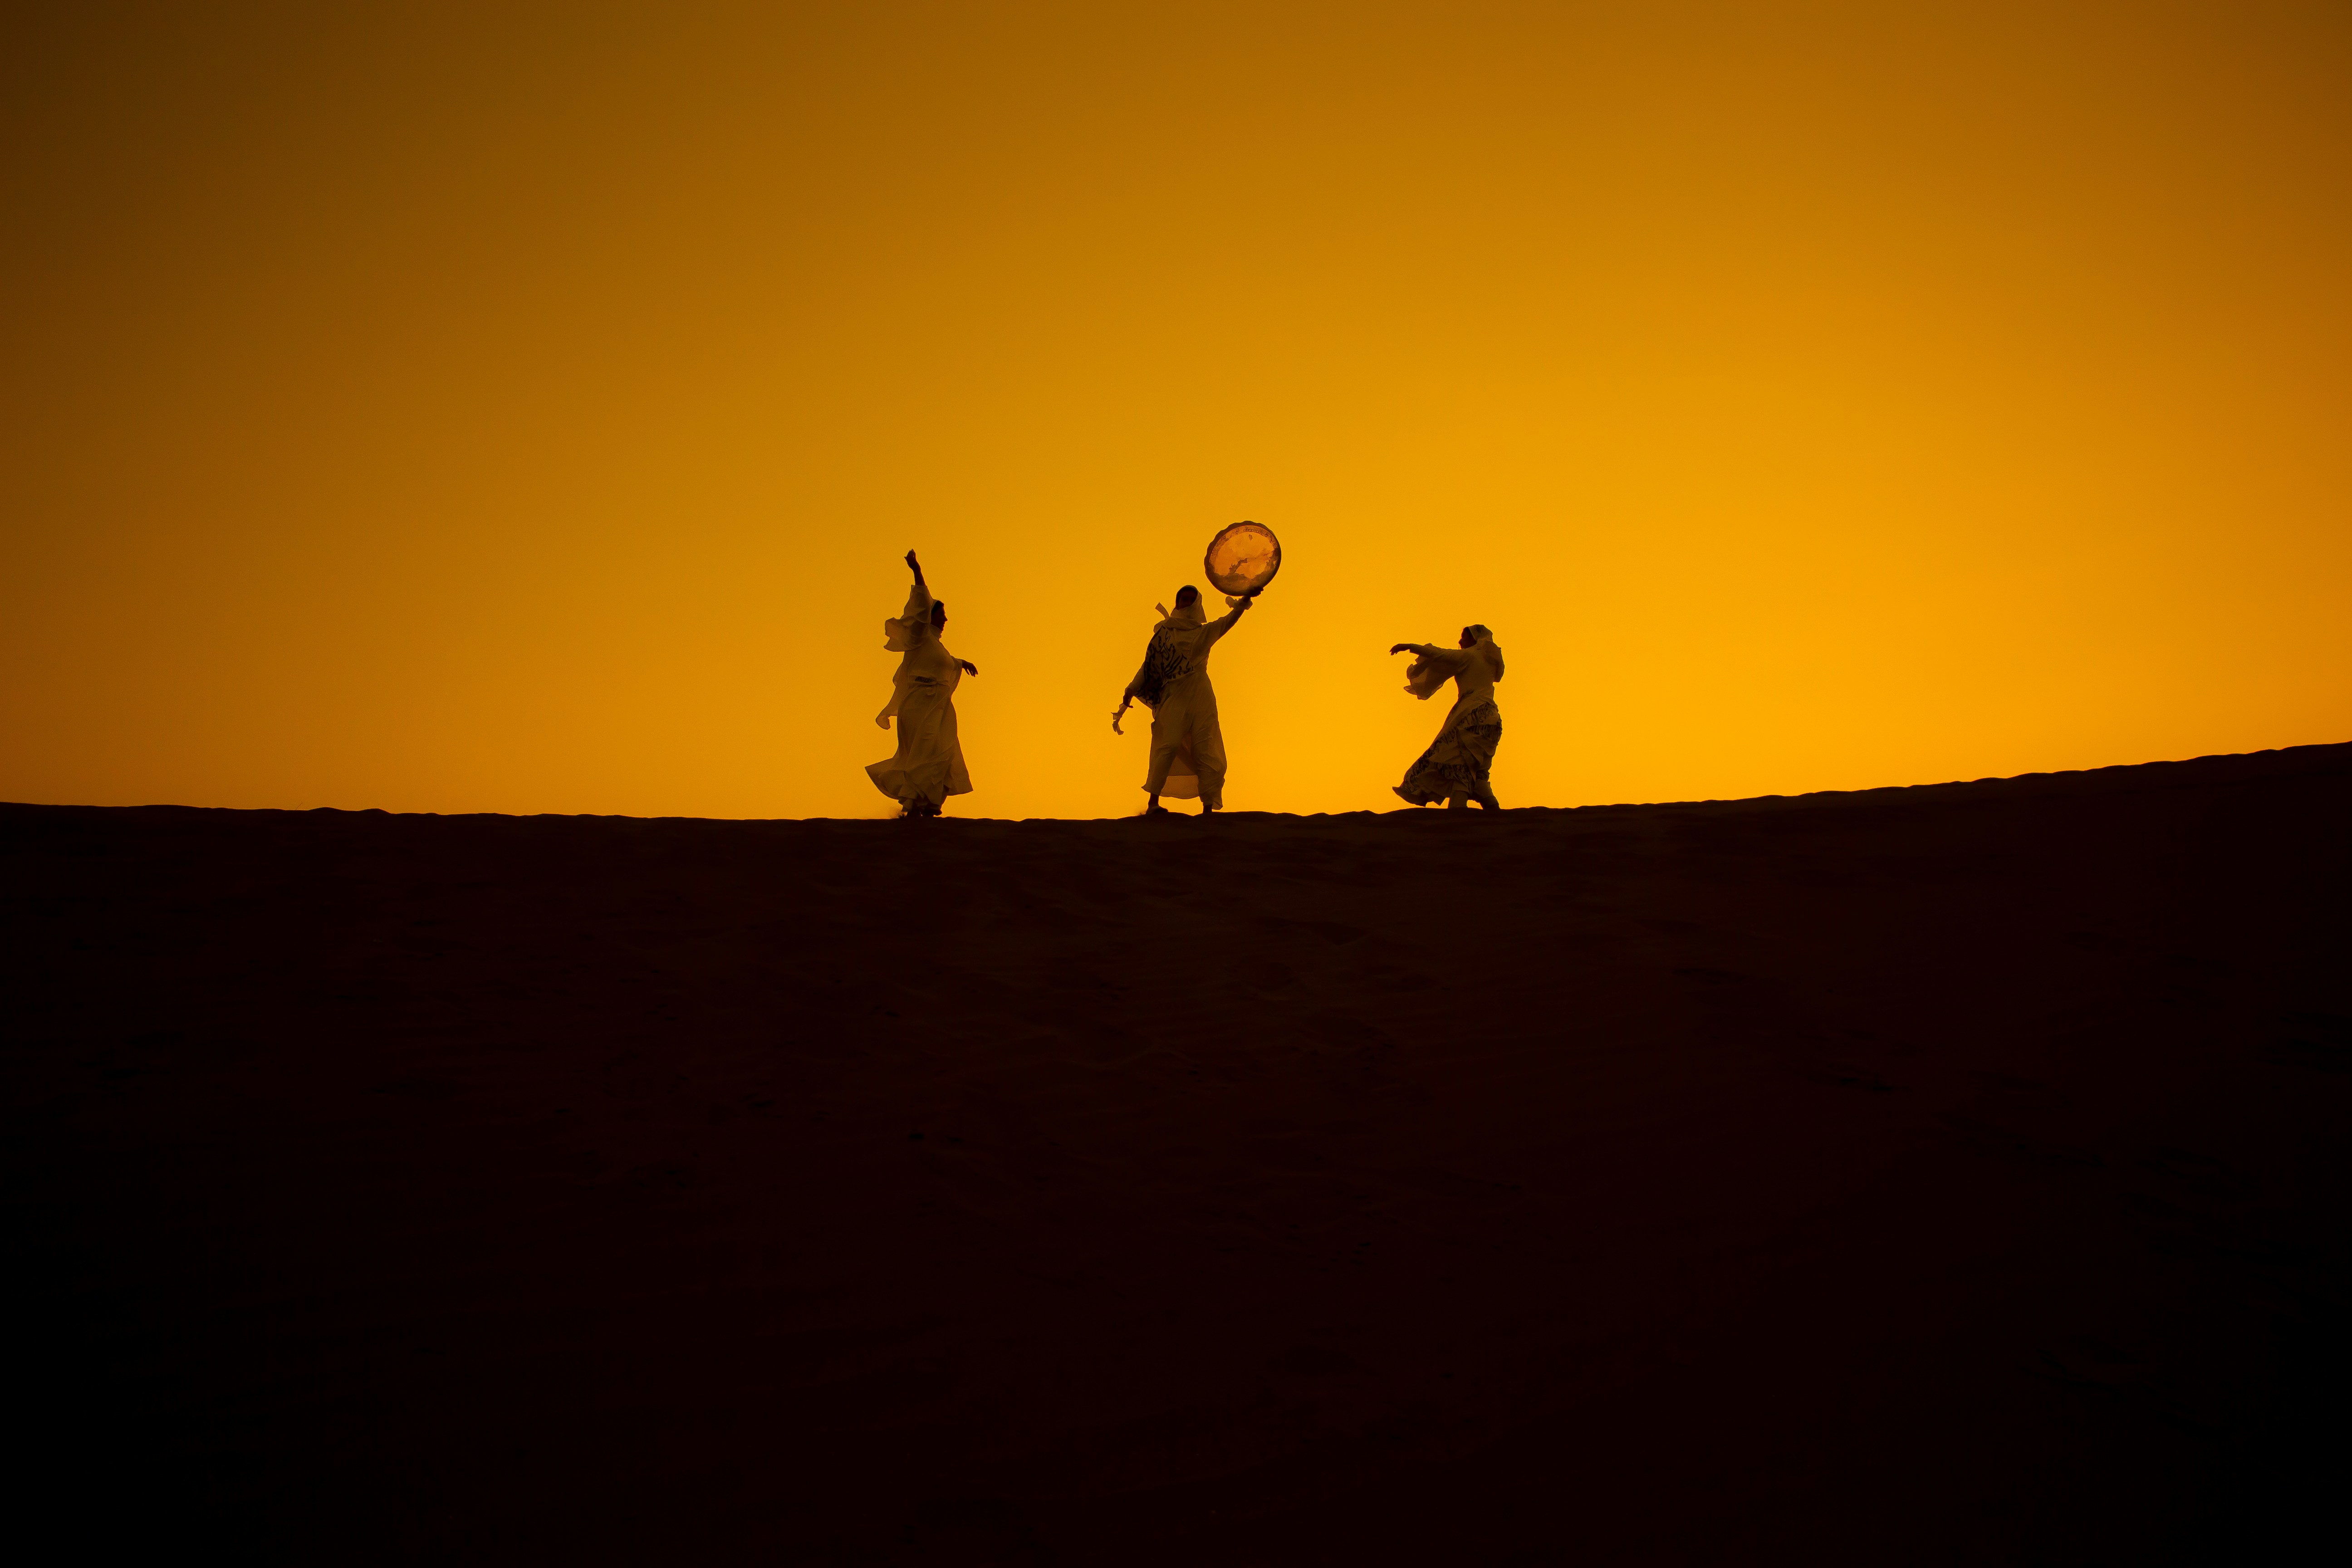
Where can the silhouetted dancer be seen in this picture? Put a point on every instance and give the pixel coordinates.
(1187, 748)
(928, 764)
(1455, 767)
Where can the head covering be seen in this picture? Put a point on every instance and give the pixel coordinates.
(1484, 641)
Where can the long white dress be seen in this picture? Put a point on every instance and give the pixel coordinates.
(928, 764)
(1188, 748)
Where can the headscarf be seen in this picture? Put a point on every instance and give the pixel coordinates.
(1483, 641)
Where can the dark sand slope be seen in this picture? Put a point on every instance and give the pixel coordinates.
(1951, 1174)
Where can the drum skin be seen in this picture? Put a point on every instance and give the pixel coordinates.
(1242, 558)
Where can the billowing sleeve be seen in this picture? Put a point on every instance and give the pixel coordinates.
(903, 635)
(1431, 668)
(907, 631)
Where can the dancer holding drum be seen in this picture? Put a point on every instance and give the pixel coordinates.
(1188, 746)
(928, 764)
(1456, 766)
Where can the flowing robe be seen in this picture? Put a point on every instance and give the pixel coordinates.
(1460, 762)
(1187, 748)
(928, 764)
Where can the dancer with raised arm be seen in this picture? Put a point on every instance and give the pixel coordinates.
(1187, 748)
(928, 764)
(1456, 766)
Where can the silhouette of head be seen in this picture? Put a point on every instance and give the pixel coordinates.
(1469, 635)
(939, 614)
(1187, 594)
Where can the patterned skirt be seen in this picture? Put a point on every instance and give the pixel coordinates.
(1459, 761)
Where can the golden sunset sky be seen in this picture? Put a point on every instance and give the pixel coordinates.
(478, 408)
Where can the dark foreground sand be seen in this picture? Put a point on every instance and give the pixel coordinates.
(1953, 1174)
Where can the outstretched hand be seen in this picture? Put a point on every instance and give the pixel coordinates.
(969, 667)
(1402, 647)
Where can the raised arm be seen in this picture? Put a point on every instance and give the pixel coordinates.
(916, 618)
(1224, 623)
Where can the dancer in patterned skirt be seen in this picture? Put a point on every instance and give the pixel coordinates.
(1455, 767)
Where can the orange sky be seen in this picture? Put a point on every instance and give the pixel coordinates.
(450, 413)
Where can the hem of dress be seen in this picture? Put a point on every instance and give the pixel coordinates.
(902, 796)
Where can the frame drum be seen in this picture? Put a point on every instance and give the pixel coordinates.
(1243, 557)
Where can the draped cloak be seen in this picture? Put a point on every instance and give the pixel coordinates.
(1188, 748)
(928, 764)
